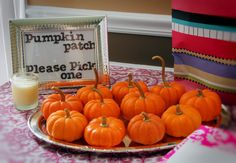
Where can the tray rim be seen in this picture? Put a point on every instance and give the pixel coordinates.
(34, 128)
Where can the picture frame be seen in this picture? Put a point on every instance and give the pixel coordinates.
(63, 51)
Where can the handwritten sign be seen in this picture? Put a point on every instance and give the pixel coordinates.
(68, 54)
(60, 49)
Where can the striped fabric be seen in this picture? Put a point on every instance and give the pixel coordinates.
(204, 45)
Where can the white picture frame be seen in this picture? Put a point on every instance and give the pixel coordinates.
(62, 51)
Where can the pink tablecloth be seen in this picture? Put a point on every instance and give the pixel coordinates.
(207, 144)
(18, 144)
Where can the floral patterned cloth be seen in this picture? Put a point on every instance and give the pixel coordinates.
(19, 145)
(209, 137)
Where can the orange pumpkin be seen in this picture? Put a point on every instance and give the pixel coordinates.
(207, 102)
(103, 107)
(120, 89)
(104, 132)
(181, 120)
(137, 102)
(60, 101)
(170, 91)
(146, 128)
(66, 125)
(88, 93)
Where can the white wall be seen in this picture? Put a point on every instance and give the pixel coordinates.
(118, 22)
(6, 12)
(9, 9)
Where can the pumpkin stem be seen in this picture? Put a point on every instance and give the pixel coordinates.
(60, 92)
(100, 94)
(139, 89)
(105, 77)
(145, 117)
(130, 78)
(178, 110)
(104, 122)
(67, 113)
(96, 77)
(200, 94)
(163, 69)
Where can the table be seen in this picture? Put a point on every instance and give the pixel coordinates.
(18, 144)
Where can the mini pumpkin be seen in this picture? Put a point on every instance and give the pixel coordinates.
(137, 102)
(88, 93)
(101, 107)
(60, 101)
(66, 125)
(207, 102)
(181, 120)
(170, 91)
(104, 132)
(120, 89)
(146, 128)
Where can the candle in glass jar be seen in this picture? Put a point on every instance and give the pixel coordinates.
(25, 90)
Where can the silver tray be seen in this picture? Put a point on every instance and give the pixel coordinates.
(36, 124)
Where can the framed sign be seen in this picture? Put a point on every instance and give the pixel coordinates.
(62, 51)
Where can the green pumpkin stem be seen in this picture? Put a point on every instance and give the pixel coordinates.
(99, 93)
(67, 113)
(60, 92)
(140, 89)
(104, 122)
(199, 93)
(145, 117)
(96, 77)
(178, 110)
(166, 84)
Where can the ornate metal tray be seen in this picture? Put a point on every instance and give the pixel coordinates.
(36, 124)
